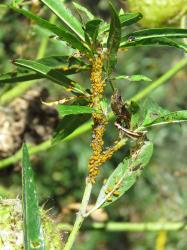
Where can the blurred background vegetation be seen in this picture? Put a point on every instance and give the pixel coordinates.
(158, 196)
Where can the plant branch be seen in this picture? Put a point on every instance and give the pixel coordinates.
(129, 226)
(3, 6)
(44, 42)
(164, 78)
(80, 216)
(98, 129)
(139, 227)
(16, 91)
(97, 206)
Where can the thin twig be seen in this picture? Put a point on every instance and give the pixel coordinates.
(164, 78)
(112, 226)
(80, 216)
(139, 227)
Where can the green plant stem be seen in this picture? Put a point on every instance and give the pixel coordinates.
(3, 6)
(87, 126)
(164, 78)
(16, 91)
(32, 150)
(130, 227)
(44, 42)
(21, 88)
(80, 216)
(139, 227)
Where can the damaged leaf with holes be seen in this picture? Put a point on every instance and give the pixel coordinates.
(125, 175)
(162, 119)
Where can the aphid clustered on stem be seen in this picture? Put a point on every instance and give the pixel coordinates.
(99, 155)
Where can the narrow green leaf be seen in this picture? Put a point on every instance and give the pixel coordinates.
(136, 113)
(55, 75)
(66, 17)
(14, 77)
(84, 10)
(16, 2)
(172, 117)
(125, 175)
(156, 33)
(59, 31)
(45, 70)
(134, 78)
(33, 236)
(150, 111)
(3, 6)
(153, 42)
(113, 41)
(149, 114)
(64, 110)
(105, 104)
(68, 125)
(65, 64)
(129, 18)
(92, 25)
(92, 29)
(156, 36)
(125, 20)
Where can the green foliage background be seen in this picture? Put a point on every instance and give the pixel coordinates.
(159, 195)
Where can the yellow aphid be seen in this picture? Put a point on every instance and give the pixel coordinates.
(116, 180)
(99, 155)
(116, 193)
(109, 199)
(104, 181)
(107, 192)
(123, 49)
(69, 89)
